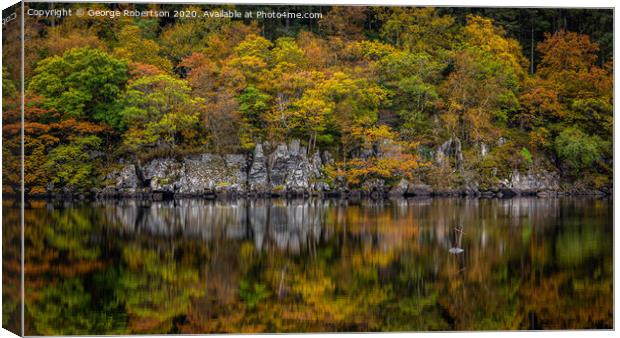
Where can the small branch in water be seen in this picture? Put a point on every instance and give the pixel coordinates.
(280, 287)
(458, 232)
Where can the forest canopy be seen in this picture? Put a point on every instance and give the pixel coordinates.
(518, 88)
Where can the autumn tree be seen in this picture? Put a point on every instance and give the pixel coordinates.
(96, 25)
(252, 57)
(309, 116)
(286, 51)
(385, 158)
(221, 44)
(188, 35)
(345, 22)
(220, 82)
(60, 39)
(568, 68)
(481, 93)
(417, 29)
(44, 130)
(570, 89)
(132, 46)
(316, 50)
(483, 34)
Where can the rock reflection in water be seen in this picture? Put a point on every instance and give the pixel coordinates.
(287, 224)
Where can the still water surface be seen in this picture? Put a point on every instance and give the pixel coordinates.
(194, 266)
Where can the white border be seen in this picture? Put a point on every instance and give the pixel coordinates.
(443, 3)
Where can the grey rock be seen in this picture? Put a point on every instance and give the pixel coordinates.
(373, 185)
(163, 173)
(291, 170)
(258, 177)
(210, 173)
(327, 157)
(193, 175)
(532, 182)
(237, 167)
(278, 166)
(316, 165)
(288, 170)
(451, 149)
(127, 178)
(484, 149)
(400, 188)
(471, 189)
(487, 194)
(419, 190)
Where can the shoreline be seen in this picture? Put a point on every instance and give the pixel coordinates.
(340, 195)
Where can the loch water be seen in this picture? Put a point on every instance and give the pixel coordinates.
(314, 265)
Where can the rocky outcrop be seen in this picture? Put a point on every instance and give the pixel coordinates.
(400, 189)
(450, 151)
(209, 173)
(288, 170)
(258, 177)
(531, 183)
(205, 174)
(127, 178)
(541, 183)
(163, 175)
(291, 171)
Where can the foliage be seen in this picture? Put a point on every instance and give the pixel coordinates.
(254, 106)
(397, 160)
(481, 92)
(411, 76)
(418, 29)
(159, 111)
(527, 156)
(72, 165)
(8, 87)
(189, 34)
(137, 49)
(82, 83)
(577, 150)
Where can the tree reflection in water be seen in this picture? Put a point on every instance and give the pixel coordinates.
(195, 266)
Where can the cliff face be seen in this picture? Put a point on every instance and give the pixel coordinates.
(289, 171)
(286, 171)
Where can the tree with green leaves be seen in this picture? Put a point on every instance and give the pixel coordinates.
(577, 150)
(159, 112)
(83, 83)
